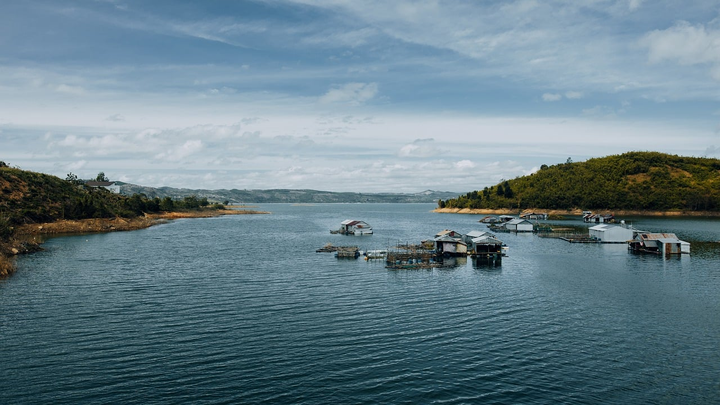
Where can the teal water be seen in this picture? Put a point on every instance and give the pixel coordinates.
(241, 309)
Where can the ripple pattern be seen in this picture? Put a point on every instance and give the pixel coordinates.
(242, 310)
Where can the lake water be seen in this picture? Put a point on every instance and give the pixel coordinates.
(241, 309)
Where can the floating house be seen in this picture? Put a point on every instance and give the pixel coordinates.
(490, 220)
(598, 218)
(534, 215)
(486, 245)
(449, 246)
(468, 237)
(519, 225)
(449, 233)
(659, 243)
(506, 218)
(611, 233)
(354, 227)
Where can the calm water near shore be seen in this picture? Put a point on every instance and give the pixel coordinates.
(241, 309)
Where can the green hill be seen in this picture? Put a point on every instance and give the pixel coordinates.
(28, 197)
(631, 181)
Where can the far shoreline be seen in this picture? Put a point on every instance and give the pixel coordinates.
(578, 212)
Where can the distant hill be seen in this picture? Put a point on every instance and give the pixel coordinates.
(631, 181)
(286, 196)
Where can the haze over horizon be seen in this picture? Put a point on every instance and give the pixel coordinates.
(362, 96)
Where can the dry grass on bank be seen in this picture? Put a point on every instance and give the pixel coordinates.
(119, 224)
(7, 266)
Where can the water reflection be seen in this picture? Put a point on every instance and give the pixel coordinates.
(487, 263)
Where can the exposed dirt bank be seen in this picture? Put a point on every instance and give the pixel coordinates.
(24, 238)
(572, 212)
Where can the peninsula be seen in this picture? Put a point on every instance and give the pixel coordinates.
(33, 204)
(634, 183)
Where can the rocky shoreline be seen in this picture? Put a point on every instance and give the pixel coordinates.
(25, 238)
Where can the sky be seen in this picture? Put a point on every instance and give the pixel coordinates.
(351, 95)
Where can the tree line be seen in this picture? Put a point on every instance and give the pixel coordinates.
(30, 197)
(633, 181)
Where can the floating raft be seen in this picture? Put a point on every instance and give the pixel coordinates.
(329, 248)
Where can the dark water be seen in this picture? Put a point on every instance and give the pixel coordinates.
(242, 310)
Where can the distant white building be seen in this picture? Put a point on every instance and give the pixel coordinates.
(611, 233)
(108, 185)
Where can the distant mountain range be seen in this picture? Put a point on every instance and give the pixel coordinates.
(286, 196)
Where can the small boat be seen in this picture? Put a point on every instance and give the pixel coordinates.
(376, 254)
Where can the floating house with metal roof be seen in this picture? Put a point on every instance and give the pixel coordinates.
(354, 227)
(468, 237)
(446, 245)
(519, 225)
(659, 243)
(486, 245)
(450, 233)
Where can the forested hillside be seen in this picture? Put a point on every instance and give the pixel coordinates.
(632, 181)
(30, 197)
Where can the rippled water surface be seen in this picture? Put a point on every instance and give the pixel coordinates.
(241, 309)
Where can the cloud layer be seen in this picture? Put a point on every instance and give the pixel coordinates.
(351, 95)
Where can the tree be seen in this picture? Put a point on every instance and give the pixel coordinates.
(72, 178)
(508, 191)
(167, 204)
(101, 177)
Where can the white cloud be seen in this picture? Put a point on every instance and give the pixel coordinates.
(76, 165)
(574, 95)
(68, 89)
(350, 93)
(181, 152)
(464, 165)
(551, 97)
(600, 111)
(685, 44)
(420, 148)
(634, 4)
(116, 118)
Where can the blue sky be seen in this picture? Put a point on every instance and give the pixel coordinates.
(372, 96)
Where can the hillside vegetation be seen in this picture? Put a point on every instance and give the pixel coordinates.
(631, 181)
(28, 198)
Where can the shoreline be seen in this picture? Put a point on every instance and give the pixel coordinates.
(119, 224)
(577, 212)
(24, 239)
